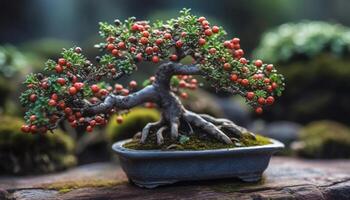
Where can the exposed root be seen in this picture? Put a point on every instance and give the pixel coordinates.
(207, 126)
(228, 125)
(160, 139)
(147, 128)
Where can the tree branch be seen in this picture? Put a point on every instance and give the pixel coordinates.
(147, 94)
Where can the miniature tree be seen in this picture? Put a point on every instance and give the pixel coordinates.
(72, 88)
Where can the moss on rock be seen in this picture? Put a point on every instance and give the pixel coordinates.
(22, 153)
(133, 122)
(67, 186)
(325, 139)
(194, 142)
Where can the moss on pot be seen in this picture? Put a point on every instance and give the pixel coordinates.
(22, 153)
(325, 139)
(133, 122)
(194, 142)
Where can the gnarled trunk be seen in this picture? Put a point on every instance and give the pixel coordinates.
(173, 112)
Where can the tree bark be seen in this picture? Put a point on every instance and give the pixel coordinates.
(172, 109)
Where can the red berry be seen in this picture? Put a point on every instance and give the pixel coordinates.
(250, 95)
(68, 110)
(269, 88)
(144, 40)
(121, 45)
(155, 59)
(270, 100)
(62, 61)
(243, 61)
(73, 90)
(274, 85)
(212, 50)
(135, 27)
(239, 53)
(25, 129)
(77, 50)
(205, 23)
(54, 96)
(208, 32)
(227, 66)
(59, 69)
(32, 97)
(159, 41)
(155, 48)
(33, 129)
(234, 77)
(269, 67)
(228, 45)
(173, 57)
(183, 34)
(92, 123)
(184, 95)
(236, 40)
(149, 50)
(119, 119)
(179, 43)
(61, 104)
(261, 101)
(215, 29)
(103, 92)
(78, 85)
(94, 88)
(52, 102)
(115, 52)
(258, 63)
(167, 36)
(61, 81)
(201, 41)
(110, 47)
(32, 118)
(110, 39)
(201, 19)
(98, 119)
(89, 129)
(118, 87)
(182, 84)
(125, 92)
(44, 85)
(245, 82)
(266, 80)
(133, 84)
(139, 57)
(258, 110)
(145, 34)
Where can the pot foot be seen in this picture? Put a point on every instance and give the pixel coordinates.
(151, 184)
(250, 177)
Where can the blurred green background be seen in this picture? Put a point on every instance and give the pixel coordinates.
(308, 41)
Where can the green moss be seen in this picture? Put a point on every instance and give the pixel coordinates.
(228, 186)
(26, 153)
(67, 186)
(133, 123)
(325, 139)
(194, 142)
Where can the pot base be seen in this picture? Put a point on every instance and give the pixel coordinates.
(152, 168)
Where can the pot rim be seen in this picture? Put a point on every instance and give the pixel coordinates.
(144, 154)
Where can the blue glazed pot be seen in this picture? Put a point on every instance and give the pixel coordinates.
(152, 168)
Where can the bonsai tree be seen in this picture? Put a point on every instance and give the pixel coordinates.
(74, 89)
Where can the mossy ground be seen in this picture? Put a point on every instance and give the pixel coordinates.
(194, 142)
(64, 187)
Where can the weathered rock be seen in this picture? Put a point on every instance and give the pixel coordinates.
(286, 178)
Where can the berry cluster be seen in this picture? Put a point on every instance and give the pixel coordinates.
(73, 79)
